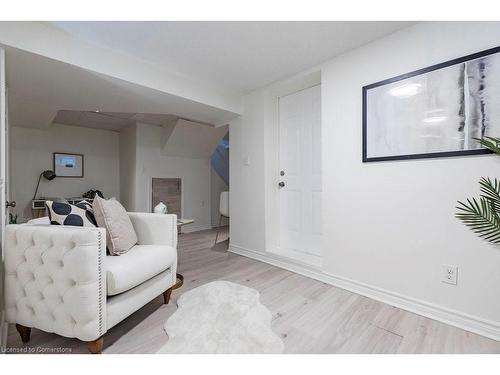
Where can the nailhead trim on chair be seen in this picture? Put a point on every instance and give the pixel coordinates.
(41, 291)
(99, 270)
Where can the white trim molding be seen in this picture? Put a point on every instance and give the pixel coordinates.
(195, 228)
(443, 314)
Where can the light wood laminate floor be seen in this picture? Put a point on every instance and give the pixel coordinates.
(310, 316)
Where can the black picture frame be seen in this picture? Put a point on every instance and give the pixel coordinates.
(80, 175)
(365, 89)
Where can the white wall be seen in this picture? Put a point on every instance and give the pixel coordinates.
(128, 165)
(31, 153)
(407, 207)
(45, 39)
(217, 185)
(388, 227)
(119, 164)
(246, 176)
(195, 175)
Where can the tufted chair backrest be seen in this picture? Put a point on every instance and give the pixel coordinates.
(54, 279)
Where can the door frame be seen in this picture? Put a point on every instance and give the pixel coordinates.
(272, 144)
(4, 182)
(297, 255)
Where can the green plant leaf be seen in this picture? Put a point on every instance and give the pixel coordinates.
(481, 217)
(490, 189)
(491, 143)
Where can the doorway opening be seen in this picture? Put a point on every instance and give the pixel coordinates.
(219, 181)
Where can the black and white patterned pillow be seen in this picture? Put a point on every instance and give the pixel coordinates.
(78, 215)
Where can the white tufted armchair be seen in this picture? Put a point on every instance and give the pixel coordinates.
(59, 279)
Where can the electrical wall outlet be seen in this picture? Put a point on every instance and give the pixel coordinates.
(450, 274)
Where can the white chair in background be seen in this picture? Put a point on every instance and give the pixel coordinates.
(223, 210)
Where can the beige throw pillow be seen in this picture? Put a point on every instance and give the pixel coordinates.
(111, 215)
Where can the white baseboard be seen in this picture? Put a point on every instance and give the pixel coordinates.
(443, 314)
(219, 226)
(195, 228)
(3, 333)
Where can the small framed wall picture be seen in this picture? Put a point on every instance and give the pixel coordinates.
(68, 165)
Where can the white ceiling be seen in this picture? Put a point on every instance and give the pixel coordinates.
(237, 56)
(113, 121)
(40, 87)
(234, 57)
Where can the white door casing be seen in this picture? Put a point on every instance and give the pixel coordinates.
(3, 184)
(300, 160)
(4, 150)
(3, 144)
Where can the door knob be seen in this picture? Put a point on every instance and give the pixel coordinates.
(10, 204)
(281, 184)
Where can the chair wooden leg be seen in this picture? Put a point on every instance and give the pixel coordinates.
(166, 295)
(25, 332)
(218, 228)
(95, 347)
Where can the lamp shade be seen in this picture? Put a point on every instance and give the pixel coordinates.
(49, 175)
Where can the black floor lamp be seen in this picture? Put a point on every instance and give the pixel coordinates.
(48, 175)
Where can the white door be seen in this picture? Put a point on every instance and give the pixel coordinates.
(300, 174)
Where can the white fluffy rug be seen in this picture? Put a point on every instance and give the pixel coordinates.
(221, 317)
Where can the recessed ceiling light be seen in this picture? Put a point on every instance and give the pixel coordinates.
(434, 119)
(406, 90)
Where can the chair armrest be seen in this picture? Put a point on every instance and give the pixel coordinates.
(55, 279)
(155, 229)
